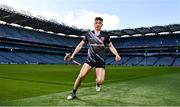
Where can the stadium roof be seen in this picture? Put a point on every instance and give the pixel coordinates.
(23, 18)
(9, 15)
(145, 30)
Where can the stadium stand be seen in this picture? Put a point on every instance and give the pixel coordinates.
(151, 46)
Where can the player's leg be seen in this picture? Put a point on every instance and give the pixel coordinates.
(83, 72)
(100, 77)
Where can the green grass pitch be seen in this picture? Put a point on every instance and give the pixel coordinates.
(29, 85)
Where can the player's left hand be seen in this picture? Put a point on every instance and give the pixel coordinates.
(117, 58)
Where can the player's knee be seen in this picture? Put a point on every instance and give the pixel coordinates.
(81, 77)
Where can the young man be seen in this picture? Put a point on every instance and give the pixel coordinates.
(97, 41)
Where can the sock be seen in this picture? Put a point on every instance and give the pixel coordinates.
(97, 84)
(74, 91)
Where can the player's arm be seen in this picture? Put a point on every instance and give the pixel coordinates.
(114, 51)
(77, 49)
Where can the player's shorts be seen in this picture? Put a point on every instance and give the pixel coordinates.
(96, 64)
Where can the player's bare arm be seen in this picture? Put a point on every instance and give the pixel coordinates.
(77, 49)
(114, 51)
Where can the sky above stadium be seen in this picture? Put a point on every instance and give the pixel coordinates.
(117, 14)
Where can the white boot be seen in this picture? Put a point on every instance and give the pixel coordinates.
(72, 96)
(98, 87)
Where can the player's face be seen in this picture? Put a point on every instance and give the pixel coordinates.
(98, 24)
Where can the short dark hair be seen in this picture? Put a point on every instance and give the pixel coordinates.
(99, 18)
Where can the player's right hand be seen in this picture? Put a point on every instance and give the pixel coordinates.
(68, 57)
(71, 58)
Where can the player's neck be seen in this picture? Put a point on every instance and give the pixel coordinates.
(97, 32)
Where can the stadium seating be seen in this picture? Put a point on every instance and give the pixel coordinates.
(23, 46)
(151, 41)
(165, 61)
(177, 62)
(29, 58)
(149, 60)
(35, 36)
